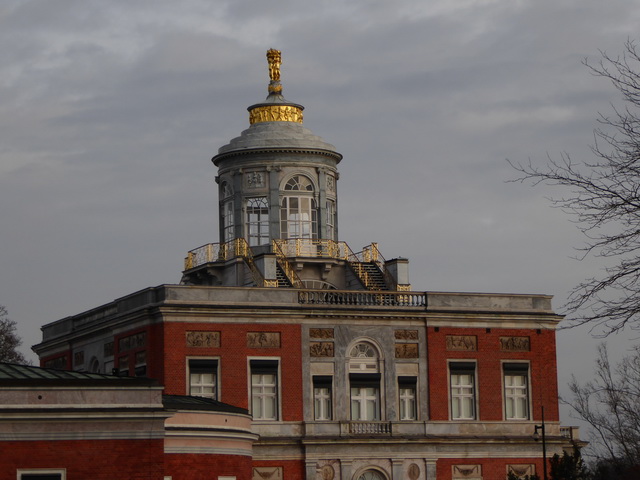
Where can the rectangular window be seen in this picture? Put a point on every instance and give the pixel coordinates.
(264, 389)
(365, 397)
(227, 221)
(407, 393)
(516, 391)
(203, 377)
(463, 392)
(331, 219)
(322, 396)
(42, 474)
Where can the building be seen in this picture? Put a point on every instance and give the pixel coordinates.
(348, 373)
(59, 425)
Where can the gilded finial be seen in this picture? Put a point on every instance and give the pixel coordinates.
(274, 57)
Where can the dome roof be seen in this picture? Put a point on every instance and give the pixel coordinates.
(288, 135)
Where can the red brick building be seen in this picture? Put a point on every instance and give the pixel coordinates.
(348, 372)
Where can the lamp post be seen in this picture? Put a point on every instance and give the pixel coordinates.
(536, 437)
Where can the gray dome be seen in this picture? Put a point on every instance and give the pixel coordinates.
(276, 135)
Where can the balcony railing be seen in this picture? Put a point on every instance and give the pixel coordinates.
(370, 428)
(362, 298)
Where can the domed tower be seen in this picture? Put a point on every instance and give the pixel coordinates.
(277, 180)
(278, 209)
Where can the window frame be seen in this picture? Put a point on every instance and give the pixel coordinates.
(467, 368)
(407, 383)
(362, 381)
(322, 382)
(521, 369)
(21, 472)
(260, 224)
(265, 366)
(215, 362)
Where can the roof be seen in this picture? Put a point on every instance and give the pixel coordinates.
(14, 374)
(185, 402)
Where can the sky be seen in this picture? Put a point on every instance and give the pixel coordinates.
(111, 111)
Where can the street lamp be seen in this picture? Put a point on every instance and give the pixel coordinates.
(536, 437)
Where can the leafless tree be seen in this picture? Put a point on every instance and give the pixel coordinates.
(9, 340)
(603, 198)
(610, 404)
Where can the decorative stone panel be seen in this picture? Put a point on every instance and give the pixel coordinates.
(328, 470)
(515, 344)
(413, 471)
(321, 349)
(322, 333)
(467, 343)
(466, 472)
(267, 473)
(521, 470)
(132, 341)
(203, 339)
(78, 358)
(406, 350)
(255, 179)
(406, 334)
(263, 339)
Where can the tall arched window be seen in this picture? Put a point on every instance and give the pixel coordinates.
(228, 230)
(364, 382)
(298, 209)
(258, 221)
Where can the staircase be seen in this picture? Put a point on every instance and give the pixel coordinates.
(283, 281)
(370, 275)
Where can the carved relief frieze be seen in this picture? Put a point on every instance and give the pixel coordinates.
(255, 179)
(521, 470)
(331, 183)
(321, 349)
(321, 333)
(515, 344)
(267, 473)
(263, 339)
(132, 341)
(462, 343)
(466, 471)
(203, 339)
(406, 350)
(406, 334)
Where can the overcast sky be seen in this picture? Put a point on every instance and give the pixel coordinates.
(111, 111)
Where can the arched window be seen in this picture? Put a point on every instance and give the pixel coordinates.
(258, 221)
(371, 475)
(298, 209)
(364, 382)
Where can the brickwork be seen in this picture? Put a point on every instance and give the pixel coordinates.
(185, 466)
(233, 353)
(489, 357)
(95, 459)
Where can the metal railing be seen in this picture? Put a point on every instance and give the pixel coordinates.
(286, 266)
(362, 298)
(216, 252)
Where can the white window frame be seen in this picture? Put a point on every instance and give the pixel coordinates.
(41, 471)
(516, 369)
(268, 364)
(359, 395)
(331, 219)
(459, 392)
(406, 399)
(322, 397)
(216, 377)
(257, 221)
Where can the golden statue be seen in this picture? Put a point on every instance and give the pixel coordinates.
(275, 59)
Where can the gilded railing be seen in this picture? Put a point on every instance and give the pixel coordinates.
(286, 266)
(315, 248)
(216, 252)
(362, 298)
